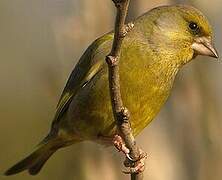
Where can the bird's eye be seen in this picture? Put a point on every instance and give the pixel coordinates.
(193, 26)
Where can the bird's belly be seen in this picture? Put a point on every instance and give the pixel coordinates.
(90, 113)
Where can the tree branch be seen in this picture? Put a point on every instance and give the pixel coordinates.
(121, 113)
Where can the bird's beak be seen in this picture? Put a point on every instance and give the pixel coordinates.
(204, 46)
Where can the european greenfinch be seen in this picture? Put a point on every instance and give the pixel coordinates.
(160, 43)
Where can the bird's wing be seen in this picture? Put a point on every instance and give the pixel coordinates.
(88, 66)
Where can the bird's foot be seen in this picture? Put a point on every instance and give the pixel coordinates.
(120, 145)
(135, 166)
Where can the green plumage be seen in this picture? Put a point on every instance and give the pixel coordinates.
(151, 55)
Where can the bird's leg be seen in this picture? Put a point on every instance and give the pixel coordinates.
(120, 145)
(135, 166)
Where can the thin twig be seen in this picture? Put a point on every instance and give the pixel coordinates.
(120, 112)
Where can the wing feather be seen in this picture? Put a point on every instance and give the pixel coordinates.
(88, 66)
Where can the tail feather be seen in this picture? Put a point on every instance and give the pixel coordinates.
(34, 162)
(35, 168)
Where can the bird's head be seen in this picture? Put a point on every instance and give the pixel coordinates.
(181, 30)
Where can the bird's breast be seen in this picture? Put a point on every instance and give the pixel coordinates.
(144, 92)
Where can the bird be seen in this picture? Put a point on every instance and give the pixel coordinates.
(161, 42)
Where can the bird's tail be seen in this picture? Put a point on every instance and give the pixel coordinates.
(35, 161)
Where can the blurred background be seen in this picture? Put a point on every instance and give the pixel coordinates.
(41, 41)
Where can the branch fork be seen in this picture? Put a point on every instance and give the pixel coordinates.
(112, 61)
